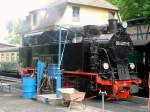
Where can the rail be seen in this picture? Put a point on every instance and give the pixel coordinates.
(9, 84)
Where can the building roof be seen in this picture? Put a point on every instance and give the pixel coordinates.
(94, 3)
(9, 49)
(6, 45)
(56, 9)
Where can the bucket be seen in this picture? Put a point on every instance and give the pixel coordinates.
(28, 87)
(52, 70)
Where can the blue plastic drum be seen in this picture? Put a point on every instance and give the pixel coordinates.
(29, 87)
(53, 70)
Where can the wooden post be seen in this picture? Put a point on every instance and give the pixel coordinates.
(149, 93)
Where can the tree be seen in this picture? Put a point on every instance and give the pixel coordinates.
(13, 38)
(146, 8)
(15, 29)
(130, 9)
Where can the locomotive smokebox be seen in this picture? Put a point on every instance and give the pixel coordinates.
(112, 25)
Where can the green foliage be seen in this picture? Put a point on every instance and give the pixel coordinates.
(15, 28)
(130, 9)
(13, 38)
(146, 8)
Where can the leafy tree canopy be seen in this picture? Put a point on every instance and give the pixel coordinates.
(131, 9)
(13, 38)
(14, 28)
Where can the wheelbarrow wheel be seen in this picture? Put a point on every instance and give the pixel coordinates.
(66, 103)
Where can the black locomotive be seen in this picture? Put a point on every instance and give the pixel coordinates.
(97, 54)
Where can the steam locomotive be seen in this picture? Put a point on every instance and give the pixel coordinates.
(93, 58)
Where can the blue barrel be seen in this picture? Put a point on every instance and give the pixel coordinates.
(29, 87)
(52, 70)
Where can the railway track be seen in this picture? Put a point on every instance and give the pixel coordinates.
(10, 74)
(10, 84)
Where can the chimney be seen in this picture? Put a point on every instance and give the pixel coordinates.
(112, 25)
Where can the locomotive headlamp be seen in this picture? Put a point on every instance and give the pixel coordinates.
(124, 24)
(106, 66)
(132, 65)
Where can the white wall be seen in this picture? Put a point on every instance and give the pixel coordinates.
(63, 16)
(88, 16)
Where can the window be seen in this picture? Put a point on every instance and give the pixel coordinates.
(7, 57)
(17, 56)
(76, 13)
(12, 57)
(2, 57)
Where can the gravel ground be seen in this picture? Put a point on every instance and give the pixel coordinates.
(15, 103)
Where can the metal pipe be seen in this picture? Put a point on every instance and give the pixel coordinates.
(62, 54)
(103, 93)
(67, 29)
(113, 83)
(112, 71)
(58, 78)
(59, 48)
(102, 102)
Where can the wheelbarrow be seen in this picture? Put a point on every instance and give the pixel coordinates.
(72, 95)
